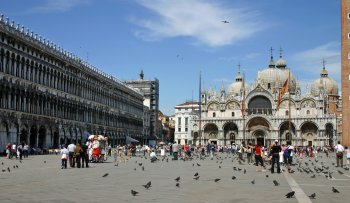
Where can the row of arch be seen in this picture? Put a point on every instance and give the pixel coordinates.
(230, 129)
(44, 136)
(260, 102)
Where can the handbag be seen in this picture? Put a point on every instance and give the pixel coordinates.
(64, 156)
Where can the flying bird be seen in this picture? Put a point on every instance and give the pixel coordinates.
(143, 168)
(105, 175)
(177, 184)
(245, 171)
(196, 174)
(196, 178)
(133, 192)
(8, 169)
(253, 181)
(177, 179)
(313, 196)
(198, 164)
(340, 172)
(225, 21)
(313, 176)
(275, 182)
(267, 176)
(335, 190)
(233, 177)
(290, 194)
(217, 179)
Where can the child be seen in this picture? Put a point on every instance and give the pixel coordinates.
(64, 157)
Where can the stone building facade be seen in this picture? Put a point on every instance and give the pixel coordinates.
(49, 96)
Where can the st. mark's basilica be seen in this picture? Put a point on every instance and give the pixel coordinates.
(249, 113)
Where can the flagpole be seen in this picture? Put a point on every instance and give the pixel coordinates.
(243, 108)
(200, 109)
(289, 108)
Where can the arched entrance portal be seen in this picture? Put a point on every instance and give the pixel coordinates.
(284, 133)
(258, 128)
(309, 133)
(211, 133)
(230, 132)
(259, 137)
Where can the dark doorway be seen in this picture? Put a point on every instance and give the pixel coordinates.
(214, 142)
(32, 139)
(23, 136)
(310, 143)
(42, 137)
(260, 140)
(55, 140)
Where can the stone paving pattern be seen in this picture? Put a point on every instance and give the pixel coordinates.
(41, 179)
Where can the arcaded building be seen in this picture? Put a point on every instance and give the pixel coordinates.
(50, 97)
(249, 113)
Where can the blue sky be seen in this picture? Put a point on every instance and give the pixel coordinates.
(173, 40)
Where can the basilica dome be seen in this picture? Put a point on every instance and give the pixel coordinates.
(274, 77)
(236, 88)
(325, 84)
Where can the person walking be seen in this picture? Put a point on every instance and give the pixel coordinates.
(288, 154)
(275, 150)
(71, 149)
(84, 156)
(249, 153)
(339, 154)
(175, 150)
(258, 157)
(64, 156)
(20, 150)
(347, 151)
(25, 150)
(77, 153)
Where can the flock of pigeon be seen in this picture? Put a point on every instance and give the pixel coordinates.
(304, 167)
(311, 167)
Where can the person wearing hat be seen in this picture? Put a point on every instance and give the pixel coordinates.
(275, 150)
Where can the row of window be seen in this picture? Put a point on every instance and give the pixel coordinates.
(179, 129)
(37, 73)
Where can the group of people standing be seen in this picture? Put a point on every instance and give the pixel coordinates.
(75, 154)
(22, 150)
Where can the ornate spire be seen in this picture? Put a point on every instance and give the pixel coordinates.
(222, 87)
(141, 75)
(239, 77)
(272, 62)
(281, 52)
(324, 72)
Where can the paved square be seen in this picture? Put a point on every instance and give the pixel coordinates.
(40, 179)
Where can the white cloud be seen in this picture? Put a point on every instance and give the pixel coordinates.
(312, 59)
(199, 19)
(59, 5)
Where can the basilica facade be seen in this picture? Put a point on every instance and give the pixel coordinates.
(249, 113)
